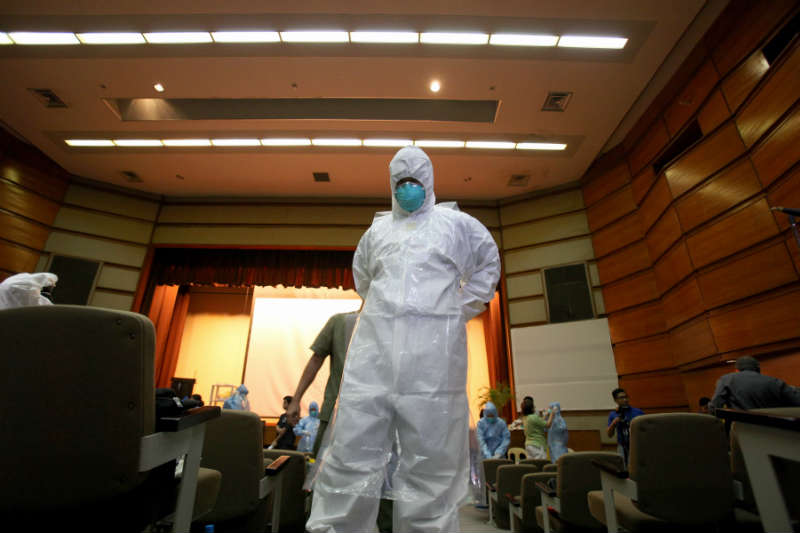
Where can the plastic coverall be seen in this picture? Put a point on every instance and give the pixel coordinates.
(493, 433)
(557, 435)
(238, 400)
(422, 275)
(22, 290)
(307, 429)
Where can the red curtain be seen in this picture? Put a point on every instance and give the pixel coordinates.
(496, 347)
(168, 310)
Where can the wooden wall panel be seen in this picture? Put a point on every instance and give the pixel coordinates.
(540, 207)
(643, 355)
(735, 232)
(714, 112)
(738, 86)
(624, 262)
(15, 258)
(735, 184)
(617, 235)
(786, 194)
(703, 160)
(673, 267)
(786, 366)
(20, 230)
(643, 321)
(641, 183)
(699, 383)
(26, 203)
(610, 208)
(651, 144)
(692, 341)
(768, 319)
(660, 389)
(686, 103)
(682, 303)
(778, 152)
(774, 97)
(605, 184)
(656, 203)
(52, 186)
(630, 291)
(746, 275)
(663, 234)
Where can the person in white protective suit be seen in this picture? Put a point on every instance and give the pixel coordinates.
(22, 290)
(238, 400)
(423, 270)
(307, 428)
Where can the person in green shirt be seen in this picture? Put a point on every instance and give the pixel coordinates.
(535, 427)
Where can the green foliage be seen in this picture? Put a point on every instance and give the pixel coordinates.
(498, 395)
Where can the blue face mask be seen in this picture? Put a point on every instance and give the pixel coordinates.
(491, 419)
(410, 196)
(313, 413)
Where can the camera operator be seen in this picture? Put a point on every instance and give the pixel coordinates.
(619, 420)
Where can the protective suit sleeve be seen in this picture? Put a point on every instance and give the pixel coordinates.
(482, 440)
(482, 271)
(362, 276)
(300, 428)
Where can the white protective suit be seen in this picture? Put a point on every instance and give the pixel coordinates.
(422, 275)
(22, 290)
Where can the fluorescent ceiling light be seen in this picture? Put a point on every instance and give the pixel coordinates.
(439, 144)
(541, 146)
(496, 145)
(454, 38)
(138, 142)
(5, 39)
(588, 41)
(235, 142)
(32, 37)
(178, 37)
(388, 142)
(314, 36)
(336, 142)
(384, 37)
(523, 39)
(187, 142)
(111, 38)
(285, 142)
(89, 142)
(246, 36)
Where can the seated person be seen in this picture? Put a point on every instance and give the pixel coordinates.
(284, 440)
(238, 400)
(493, 434)
(307, 428)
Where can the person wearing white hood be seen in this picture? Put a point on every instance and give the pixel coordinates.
(424, 271)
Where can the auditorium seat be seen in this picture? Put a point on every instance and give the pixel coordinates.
(509, 480)
(293, 497)
(678, 477)
(523, 517)
(490, 467)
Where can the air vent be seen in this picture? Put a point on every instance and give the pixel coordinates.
(518, 180)
(48, 98)
(773, 49)
(131, 176)
(321, 176)
(556, 101)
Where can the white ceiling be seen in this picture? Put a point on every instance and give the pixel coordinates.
(605, 85)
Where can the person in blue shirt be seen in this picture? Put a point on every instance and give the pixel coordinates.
(493, 434)
(619, 421)
(307, 428)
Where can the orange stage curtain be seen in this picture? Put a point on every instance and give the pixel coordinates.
(168, 310)
(496, 347)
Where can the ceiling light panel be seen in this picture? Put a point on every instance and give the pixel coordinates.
(439, 144)
(491, 145)
(187, 142)
(327, 36)
(522, 39)
(384, 37)
(388, 142)
(285, 142)
(454, 38)
(589, 41)
(111, 38)
(88, 142)
(180, 37)
(30, 37)
(235, 142)
(138, 142)
(5, 39)
(541, 146)
(336, 142)
(246, 36)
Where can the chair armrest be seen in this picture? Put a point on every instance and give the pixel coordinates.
(545, 489)
(276, 466)
(512, 500)
(610, 469)
(759, 419)
(491, 486)
(191, 418)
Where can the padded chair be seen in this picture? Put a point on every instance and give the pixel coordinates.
(77, 415)
(517, 454)
(678, 477)
(576, 477)
(292, 495)
(490, 467)
(522, 513)
(540, 463)
(509, 481)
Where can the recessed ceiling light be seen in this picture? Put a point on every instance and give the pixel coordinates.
(589, 41)
(439, 144)
(89, 142)
(34, 37)
(388, 142)
(187, 142)
(454, 38)
(336, 142)
(435, 86)
(235, 142)
(285, 142)
(496, 145)
(329, 36)
(178, 37)
(246, 36)
(540, 146)
(523, 39)
(111, 38)
(138, 142)
(158, 87)
(384, 37)
(5, 39)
